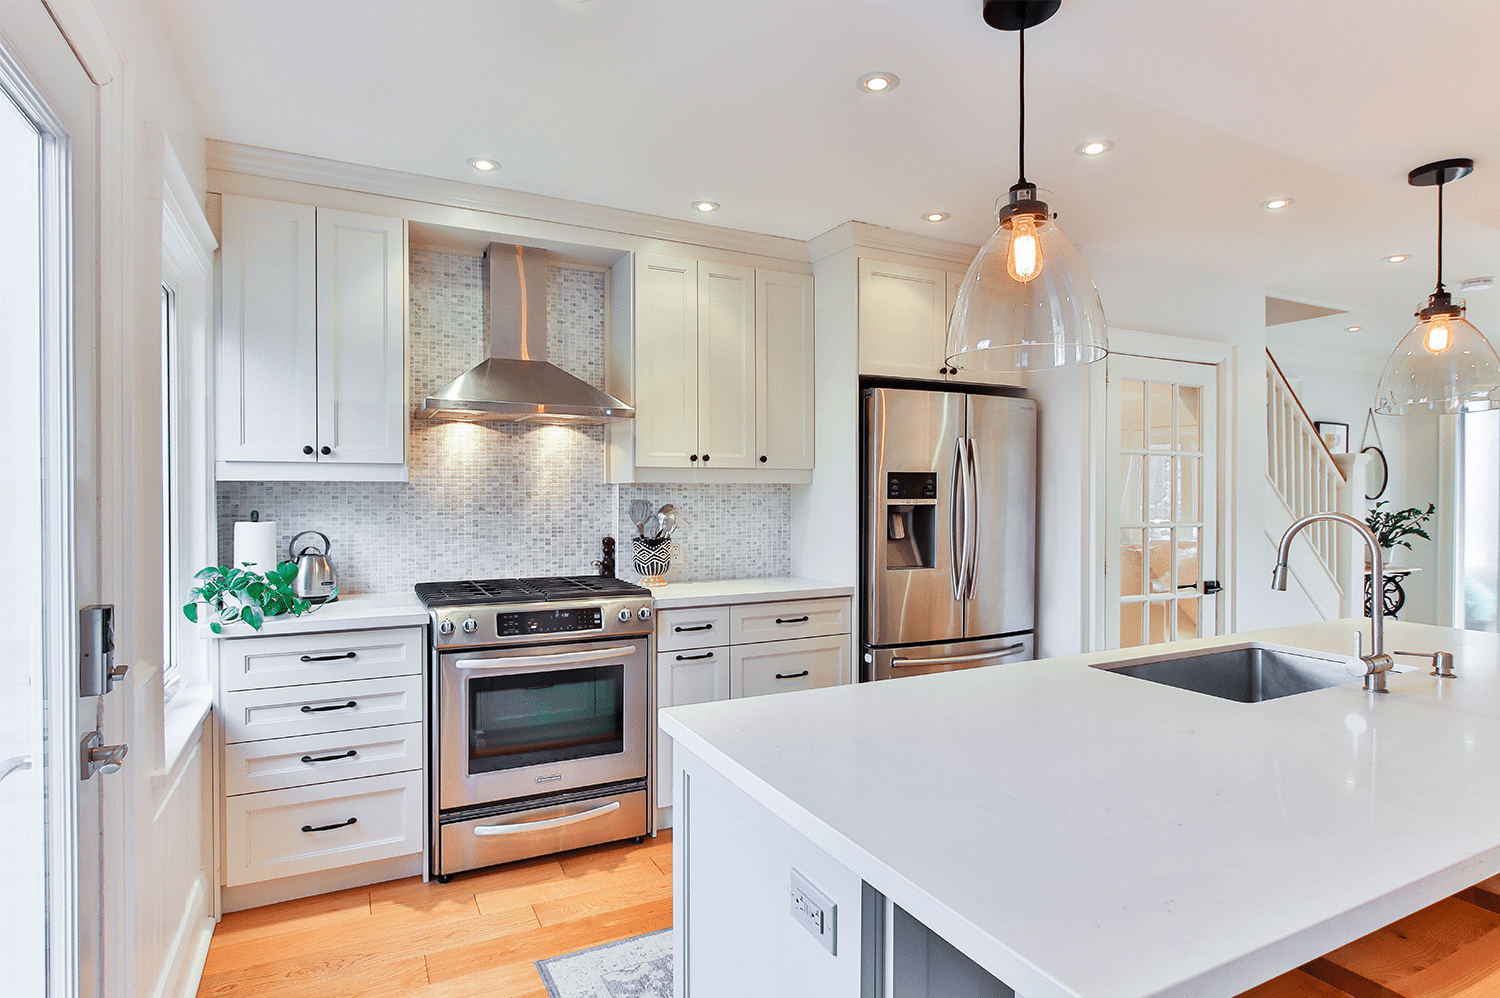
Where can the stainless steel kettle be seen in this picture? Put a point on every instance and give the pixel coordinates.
(315, 579)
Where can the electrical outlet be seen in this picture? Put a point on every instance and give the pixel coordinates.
(815, 911)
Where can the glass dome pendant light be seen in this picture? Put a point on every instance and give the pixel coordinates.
(1444, 364)
(1027, 302)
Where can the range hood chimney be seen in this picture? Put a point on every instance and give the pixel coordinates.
(515, 383)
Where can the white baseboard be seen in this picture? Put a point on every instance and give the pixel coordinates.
(183, 968)
(344, 877)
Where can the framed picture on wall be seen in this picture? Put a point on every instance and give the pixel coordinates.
(1335, 436)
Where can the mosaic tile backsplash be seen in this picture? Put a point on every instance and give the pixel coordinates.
(506, 499)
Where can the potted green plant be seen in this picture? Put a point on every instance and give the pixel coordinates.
(1393, 527)
(239, 594)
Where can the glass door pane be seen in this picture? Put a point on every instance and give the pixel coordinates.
(1479, 514)
(535, 718)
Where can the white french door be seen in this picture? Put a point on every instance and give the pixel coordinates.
(1162, 518)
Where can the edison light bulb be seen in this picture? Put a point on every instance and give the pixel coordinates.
(1024, 257)
(1439, 336)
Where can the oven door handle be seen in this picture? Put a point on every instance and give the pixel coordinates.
(536, 826)
(562, 658)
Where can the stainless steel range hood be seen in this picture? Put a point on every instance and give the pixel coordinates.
(516, 384)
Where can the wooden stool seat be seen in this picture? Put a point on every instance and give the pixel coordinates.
(1448, 950)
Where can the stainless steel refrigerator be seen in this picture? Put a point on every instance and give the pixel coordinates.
(948, 566)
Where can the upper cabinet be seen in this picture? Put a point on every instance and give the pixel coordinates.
(719, 367)
(903, 324)
(312, 361)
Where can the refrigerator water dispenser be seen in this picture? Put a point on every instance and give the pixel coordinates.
(911, 505)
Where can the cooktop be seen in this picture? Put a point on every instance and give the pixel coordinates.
(485, 592)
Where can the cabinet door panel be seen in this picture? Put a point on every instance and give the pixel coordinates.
(267, 401)
(955, 281)
(902, 320)
(666, 365)
(362, 412)
(784, 378)
(726, 365)
(683, 677)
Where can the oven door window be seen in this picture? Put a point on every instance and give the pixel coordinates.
(539, 718)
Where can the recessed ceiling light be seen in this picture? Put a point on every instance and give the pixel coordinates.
(1351, 329)
(935, 216)
(1398, 258)
(481, 163)
(1477, 284)
(1276, 204)
(1096, 148)
(706, 205)
(878, 83)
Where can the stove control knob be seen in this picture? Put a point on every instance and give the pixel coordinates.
(644, 613)
(471, 625)
(624, 615)
(445, 628)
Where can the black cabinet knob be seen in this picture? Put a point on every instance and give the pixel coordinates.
(693, 457)
(307, 449)
(326, 451)
(705, 458)
(762, 459)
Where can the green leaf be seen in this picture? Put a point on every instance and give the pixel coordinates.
(216, 627)
(210, 570)
(190, 611)
(286, 571)
(252, 616)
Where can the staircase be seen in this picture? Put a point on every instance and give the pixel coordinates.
(1327, 560)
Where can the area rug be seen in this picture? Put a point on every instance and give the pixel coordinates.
(638, 967)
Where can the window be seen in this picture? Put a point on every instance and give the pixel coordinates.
(1479, 521)
(171, 676)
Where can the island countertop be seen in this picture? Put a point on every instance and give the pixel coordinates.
(1081, 834)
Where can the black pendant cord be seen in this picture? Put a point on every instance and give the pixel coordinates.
(1021, 145)
(1440, 235)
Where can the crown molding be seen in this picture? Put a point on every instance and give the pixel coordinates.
(882, 240)
(273, 164)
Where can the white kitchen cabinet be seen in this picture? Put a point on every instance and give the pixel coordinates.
(721, 375)
(312, 360)
(748, 648)
(317, 729)
(690, 675)
(903, 324)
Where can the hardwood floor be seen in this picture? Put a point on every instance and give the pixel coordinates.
(476, 936)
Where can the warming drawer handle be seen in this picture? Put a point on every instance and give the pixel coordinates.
(792, 675)
(792, 620)
(327, 658)
(562, 658)
(536, 826)
(912, 663)
(330, 758)
(338, 706)
(695, 627)
(329, 828)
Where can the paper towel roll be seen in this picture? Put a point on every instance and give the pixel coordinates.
(255, 542)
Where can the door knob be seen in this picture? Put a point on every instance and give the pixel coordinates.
(97, 757)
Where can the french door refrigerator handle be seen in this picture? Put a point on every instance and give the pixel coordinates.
(958, 544)
(971, 512)
(536, 826)
(901, 662)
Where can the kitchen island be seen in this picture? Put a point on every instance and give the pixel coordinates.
(1077, 833)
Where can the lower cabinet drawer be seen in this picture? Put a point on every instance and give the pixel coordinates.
(300, 659)
(783, 666)
(541, 831)
(803, 618)
(278, 763)
(251, 715)
(282, 833)
(692, 627)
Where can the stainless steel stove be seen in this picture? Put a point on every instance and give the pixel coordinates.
(540, 715)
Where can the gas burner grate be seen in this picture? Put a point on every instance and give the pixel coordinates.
(493, 591)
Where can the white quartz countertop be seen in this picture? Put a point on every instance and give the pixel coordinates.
(1088, 835)
(347, 613)
(744, 591)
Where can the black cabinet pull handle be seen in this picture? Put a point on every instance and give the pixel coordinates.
(327, 658)
(326, 450)
(694, 658)
(330, 758)
(338, 706)
(794, 675)
(695, 627)
(792, 620)
(307, 449)
(329, 828)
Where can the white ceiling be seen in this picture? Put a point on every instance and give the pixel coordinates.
(1214, 105)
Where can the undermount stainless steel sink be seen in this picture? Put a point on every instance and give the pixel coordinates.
(1246, 675)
